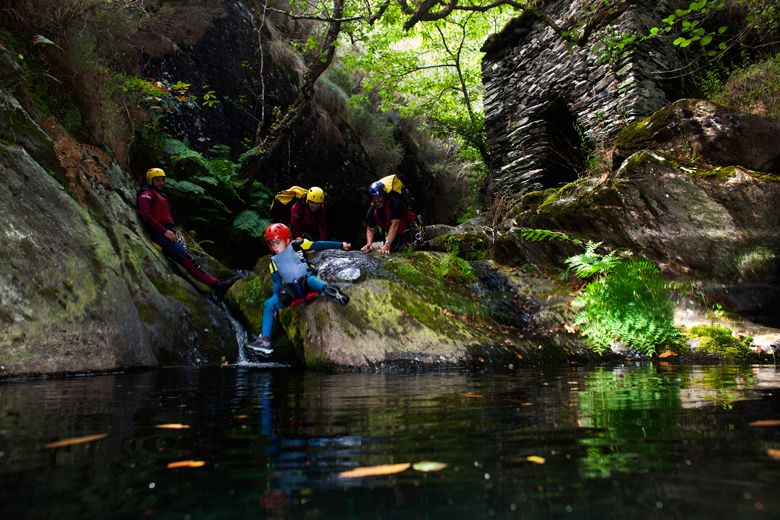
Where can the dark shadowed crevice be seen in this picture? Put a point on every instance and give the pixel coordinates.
(561, 146)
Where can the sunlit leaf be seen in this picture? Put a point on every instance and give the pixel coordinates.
(535, 459)
(371, 471)
(766, 422)
(172, 426)
(774, 453)
(186, 464)
(76, 440)
(428, 466)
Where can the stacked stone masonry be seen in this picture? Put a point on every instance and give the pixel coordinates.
(544, 99)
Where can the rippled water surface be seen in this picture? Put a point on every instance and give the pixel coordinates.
(645, 441)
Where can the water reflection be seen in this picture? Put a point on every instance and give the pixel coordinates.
(647, 439)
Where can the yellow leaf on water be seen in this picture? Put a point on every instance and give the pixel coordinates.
(428, 466)
(774, 453)
(371, 471)
(241, 417)
(535, 459)
(766, 422)
(172, 426)
(667, 353)
(186, 464)
(76, 440)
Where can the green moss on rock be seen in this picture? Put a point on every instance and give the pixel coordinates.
(718, 340)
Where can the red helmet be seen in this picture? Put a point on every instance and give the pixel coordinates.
(277, 232)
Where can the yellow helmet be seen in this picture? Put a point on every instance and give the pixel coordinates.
(315, 194)
(151, 173)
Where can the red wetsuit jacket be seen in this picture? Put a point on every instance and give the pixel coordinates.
(154, 210)
(304, 220)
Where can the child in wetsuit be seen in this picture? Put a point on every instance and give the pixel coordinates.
(292, 277)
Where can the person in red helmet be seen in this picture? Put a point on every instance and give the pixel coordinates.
(309, 217)
(292, 277)
(155, 213)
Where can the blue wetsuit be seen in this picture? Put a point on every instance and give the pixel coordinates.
(290, 272)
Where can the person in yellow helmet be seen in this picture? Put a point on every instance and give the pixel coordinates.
(155, 213)
(309, 217)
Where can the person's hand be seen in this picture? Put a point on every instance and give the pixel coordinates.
(385, 249)
(345, 246)
(366, 248)
(170, 235)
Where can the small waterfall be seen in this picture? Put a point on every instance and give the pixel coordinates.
(245, 357)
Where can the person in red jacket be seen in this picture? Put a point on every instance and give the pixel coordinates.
(155, 213)
(308, 216)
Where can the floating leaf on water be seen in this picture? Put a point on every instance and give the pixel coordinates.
(241, 417)
(428, 466)
(774, 453)
(371, 471)
(766, 422)
(535, 459)
(473, 395)
(666, 354)
(186, 464)
(172, 426)
(76, 440)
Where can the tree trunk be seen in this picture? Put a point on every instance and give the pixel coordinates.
(266, 148)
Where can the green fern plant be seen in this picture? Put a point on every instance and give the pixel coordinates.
(455, 269)
(590, 263)
(211, 186)
(630, 306)
(540, 235)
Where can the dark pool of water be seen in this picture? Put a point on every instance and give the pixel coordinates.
(641, 441)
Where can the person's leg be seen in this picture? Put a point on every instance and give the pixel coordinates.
(178, 253)
(328, 289)
(315, 283)
(270, 307)
(198, 273)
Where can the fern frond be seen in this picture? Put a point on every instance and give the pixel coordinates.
(590, 263)
(538, 235)
(250, 223)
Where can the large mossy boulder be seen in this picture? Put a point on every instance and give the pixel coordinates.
(694, 130)
(416, 309)
(82, 289)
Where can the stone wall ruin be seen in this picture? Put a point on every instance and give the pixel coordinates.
(546, 104)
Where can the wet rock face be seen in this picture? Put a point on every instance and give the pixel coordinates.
(81, 287)
(542, 100)
(208, 47)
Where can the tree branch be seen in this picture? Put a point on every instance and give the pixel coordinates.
(317, 18)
